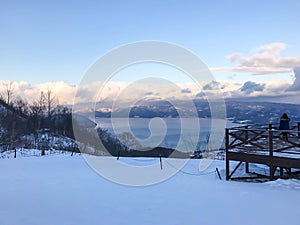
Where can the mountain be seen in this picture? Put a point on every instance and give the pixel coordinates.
(261, 112)
(236, 111)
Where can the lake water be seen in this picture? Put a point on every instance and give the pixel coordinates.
(167, 132)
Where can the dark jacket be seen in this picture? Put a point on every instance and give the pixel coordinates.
(284, 124)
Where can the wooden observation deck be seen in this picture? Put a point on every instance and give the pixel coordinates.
(264, 145)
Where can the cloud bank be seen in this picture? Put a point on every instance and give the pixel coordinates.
(296, 84)
(266, 59)
(63, 92)
(127, 92)
(250, 87)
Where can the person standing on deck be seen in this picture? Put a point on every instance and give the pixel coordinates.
(284, 125)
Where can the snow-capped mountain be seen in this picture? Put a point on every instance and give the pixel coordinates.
(237, 111)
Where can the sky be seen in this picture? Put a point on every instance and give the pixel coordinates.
(251, 47)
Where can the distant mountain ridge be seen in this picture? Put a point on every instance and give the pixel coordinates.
(236, 111)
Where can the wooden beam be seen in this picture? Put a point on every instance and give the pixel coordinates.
(265, 159)
(247, 141)
(226, 151)
(246, 167)
(238, 165)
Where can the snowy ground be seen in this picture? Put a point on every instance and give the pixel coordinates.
(30, 153)
(63, 190)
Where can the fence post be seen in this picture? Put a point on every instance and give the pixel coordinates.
(226, 152)
(270, 126)
(271, 151)
(246, 134)
(246, 167)
(298, 129)
(13, 137)
(247, 142)
(270, 140)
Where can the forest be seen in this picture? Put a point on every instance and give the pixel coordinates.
(44, 124)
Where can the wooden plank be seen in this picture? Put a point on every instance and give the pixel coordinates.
(251, 158)
(265, 159)
(286, 162)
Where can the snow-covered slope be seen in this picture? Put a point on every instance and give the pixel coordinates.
(63, 190)
(31, 153)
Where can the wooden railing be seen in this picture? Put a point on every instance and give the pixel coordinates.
(263, 144)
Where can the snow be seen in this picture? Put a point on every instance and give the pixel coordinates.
(64, 190)
(23, 152)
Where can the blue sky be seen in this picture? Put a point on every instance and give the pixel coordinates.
(51, 41)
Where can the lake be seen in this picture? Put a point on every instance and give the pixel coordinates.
(168, 132)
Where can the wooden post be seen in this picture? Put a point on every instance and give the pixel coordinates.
(247, 167)
(13, 143)
(270, 126)
(218, 172)
(246, 134)
(270, 140)
(281, 171)
(247, 142)
(226, 152)
(298, 129)
(161, 166)
(43, 149)
(271, 151)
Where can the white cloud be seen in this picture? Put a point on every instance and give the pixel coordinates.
(296, 84)
(264, 60)
(250, 87)
(63, 91)
(127, 93)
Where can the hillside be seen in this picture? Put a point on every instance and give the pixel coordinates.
(20, 127)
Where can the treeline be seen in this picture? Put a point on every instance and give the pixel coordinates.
(19, 117)
(30, 124)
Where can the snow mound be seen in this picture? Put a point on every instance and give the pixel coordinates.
(286, 184)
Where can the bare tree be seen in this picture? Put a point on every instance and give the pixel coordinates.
(129, 141)
(51, 102)
(9, 90)
(21, 105)
(37, 109)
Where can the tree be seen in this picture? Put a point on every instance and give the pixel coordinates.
(21, 106)
(9, 90)
(61, 121)
(51, 102)
(37, 109)
(129, 141)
